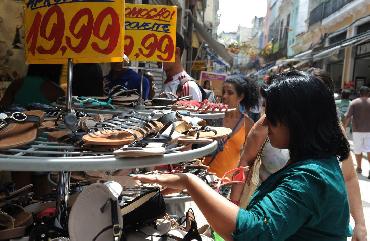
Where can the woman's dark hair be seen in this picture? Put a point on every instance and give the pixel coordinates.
(346, 94)
(50, 72)
(306, 106)
(246, 86)
(323, 76)
(180, 43)
(205, 83)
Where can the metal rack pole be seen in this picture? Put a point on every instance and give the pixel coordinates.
(140, 105)
(64, 177)
(62, 199)
(69, 85)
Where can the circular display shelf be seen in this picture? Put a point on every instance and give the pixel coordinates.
(42, 155)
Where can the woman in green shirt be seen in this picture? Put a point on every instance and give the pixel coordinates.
(307, 199)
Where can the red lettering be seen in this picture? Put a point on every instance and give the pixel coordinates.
(57, 31)
(129, 45)
(166, 47)
(84, 33)
(112, 32)
(34, 33)
(149, 43)
(162, 14)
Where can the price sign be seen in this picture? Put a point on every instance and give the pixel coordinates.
(150, 32)
(86, 31)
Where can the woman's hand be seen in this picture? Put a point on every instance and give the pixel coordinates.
(170, 181)
(359, 233)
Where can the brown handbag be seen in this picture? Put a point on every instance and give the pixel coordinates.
(250, 187)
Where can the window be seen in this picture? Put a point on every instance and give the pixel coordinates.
(338, 38)
(363, 28)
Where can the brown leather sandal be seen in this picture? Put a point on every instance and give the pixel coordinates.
(19, 128)
(13, 221)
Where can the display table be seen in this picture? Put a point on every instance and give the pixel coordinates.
(49, 156)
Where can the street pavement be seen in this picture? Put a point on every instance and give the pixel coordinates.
(365, 192)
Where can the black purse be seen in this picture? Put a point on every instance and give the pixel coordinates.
(146, 206)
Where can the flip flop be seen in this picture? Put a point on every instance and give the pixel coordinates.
(112, 137)
(205, 135)
(19, 128)
(151, 149)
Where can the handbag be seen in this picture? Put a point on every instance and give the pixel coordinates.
(144, 209)
(250, 187)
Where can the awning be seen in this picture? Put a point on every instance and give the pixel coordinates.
(216, 59)
(212, 43)
(300, 64)
(304, 56)
(333, 49)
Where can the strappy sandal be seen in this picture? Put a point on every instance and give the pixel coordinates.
(13, 221)
(88, 102)
(117, 132)
(19, 128)
(169, 99)
(16, 196)
(123, 96)
(204, 134)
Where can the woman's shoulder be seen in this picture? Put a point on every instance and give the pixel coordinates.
(314, 170)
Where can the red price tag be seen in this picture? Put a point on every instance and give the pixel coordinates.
(87, 32)
(150, 32)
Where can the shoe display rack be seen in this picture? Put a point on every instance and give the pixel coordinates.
(43, 155)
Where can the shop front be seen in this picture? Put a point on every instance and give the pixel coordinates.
(361, 73)
(335, 68)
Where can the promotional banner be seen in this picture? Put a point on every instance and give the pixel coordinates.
(86, 31)
(216, 81)
(150, 32)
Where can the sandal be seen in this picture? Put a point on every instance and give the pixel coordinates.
(13, 221)
(87, 102)
(168, 99)
(122, 96)
(19, 128)
(118, 132)
(150, 149)
(204, 134)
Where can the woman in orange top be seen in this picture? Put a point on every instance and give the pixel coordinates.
(240, 94)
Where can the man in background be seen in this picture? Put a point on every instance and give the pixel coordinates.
(178, 81)
(121, 74)
(359, 111)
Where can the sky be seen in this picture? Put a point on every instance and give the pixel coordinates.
(240, 12)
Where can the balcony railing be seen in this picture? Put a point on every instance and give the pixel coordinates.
(326, 9)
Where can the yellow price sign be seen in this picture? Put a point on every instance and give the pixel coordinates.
(86, 31)
(150, 32)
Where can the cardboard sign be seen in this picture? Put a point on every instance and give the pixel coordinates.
(216, 81)
(199, 65)
(86, 31)
(150, 32)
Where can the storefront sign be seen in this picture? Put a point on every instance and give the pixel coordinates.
(210, 76)
(363, 49)
(150, 32)
(199, 65)
(86, 31)
(216, 81)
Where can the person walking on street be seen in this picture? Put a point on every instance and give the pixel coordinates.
(359, 111)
